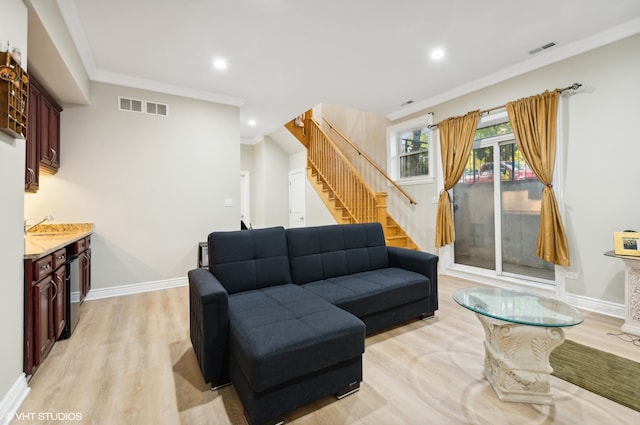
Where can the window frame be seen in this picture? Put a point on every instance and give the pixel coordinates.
(394, 156)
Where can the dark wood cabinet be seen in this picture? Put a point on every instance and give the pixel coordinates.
(45, 306)
(46, 120)
(46, 313)
(32, 167)
(83, 249)
(42, 312)
(59, 296)
(59, 301)
(38, 307)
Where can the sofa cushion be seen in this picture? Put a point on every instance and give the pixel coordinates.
(285, 332)
(323, 252)
(244, 260)
(373, 291)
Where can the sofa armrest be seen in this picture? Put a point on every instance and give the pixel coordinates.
(420, 262)
(209, 325)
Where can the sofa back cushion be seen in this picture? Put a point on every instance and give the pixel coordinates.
(322, 252)
(249, 259)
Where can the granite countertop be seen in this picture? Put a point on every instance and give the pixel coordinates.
(49, 237)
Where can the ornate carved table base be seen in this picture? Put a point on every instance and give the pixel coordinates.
(632, 295)
(517, 359)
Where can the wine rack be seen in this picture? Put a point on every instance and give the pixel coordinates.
(14, 96)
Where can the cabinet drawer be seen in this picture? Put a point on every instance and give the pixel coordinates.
(80, 246)
(42, 267)
(59, 258)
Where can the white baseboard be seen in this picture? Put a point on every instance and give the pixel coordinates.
(599, 306)
(12, 401)
(136, 288)
(579, 301)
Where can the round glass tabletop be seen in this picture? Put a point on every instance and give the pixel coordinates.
(518, 307)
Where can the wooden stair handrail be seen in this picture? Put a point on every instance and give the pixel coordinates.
(361, 202)
(370, 161)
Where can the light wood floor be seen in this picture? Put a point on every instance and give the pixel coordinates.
(130, 362)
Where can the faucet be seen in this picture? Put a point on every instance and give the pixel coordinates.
(46, 218)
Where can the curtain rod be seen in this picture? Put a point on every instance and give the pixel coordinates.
(574, 86)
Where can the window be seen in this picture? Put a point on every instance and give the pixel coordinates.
(497, 208)
(414, 153)
(409, 143)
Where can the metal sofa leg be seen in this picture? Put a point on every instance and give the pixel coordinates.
(348, 390)
(426, 316)
(217, 387)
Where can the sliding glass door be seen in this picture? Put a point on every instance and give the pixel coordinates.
(497, 211)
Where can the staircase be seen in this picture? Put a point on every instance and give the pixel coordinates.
(342, 189)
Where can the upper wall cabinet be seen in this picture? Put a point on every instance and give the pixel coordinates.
(32, 167)
(47, 128)
(14, 95)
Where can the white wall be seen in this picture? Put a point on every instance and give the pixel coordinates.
(13, 27)
(12, 161)
(270, 200)
(600, 152)
(153, 186)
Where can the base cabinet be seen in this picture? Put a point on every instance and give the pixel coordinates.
(42, 313)
(46, 298)
(59, 301)
(82, 249)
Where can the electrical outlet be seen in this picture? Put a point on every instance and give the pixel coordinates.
(571, 275)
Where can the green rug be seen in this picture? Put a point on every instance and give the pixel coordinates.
(605, 374)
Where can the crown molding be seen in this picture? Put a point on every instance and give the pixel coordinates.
(140, 83)
(72, 21)
(542, 59)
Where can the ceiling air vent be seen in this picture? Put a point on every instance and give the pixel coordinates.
(160, 109)
(127, 104)
(541, 48)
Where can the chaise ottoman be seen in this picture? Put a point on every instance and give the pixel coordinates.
(290, 347)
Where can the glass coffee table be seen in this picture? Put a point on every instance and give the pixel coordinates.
(521, 330)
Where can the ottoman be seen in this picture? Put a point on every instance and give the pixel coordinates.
(289, 347)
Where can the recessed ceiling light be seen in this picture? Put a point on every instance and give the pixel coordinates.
(252, 123)
(220, 64)
(437, 54)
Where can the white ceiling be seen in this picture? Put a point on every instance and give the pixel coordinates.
(285, 56)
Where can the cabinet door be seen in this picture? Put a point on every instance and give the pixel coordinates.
(54, 137)
(59, 301)
(88, 270)
(43, 320)
(48, 123)
(32, 168)
(43, 129)
(85, 273)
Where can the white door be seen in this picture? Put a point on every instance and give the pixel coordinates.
(297, 180)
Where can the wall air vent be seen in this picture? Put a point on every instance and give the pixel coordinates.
(153, 108)
(143, 106)
(131, 105)
(541, 48)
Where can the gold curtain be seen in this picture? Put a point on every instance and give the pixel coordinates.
(534, 126)
(456, 140)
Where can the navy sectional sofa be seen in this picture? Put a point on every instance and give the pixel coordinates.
(283, 313)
